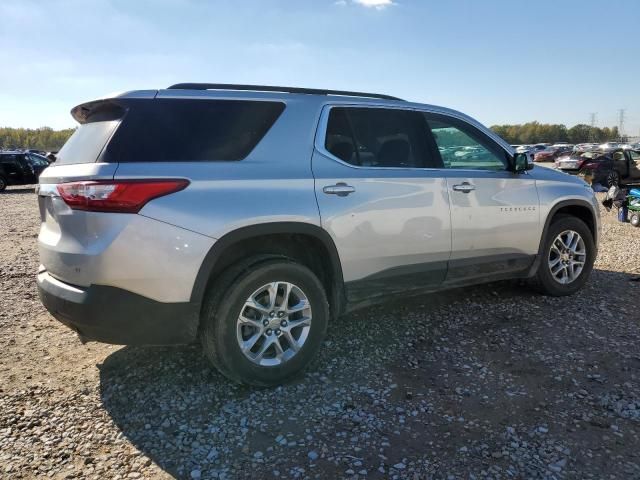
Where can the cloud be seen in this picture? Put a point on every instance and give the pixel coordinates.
(377, 4)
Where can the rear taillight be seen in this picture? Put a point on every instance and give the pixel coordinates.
(124, 196)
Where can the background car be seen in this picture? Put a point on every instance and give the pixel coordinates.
(20, 168)
(605, 166)
(550, 153)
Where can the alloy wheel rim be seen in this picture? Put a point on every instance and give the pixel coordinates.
(274, 323)
(567, 257)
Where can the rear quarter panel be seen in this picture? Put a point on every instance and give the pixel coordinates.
(273, 184)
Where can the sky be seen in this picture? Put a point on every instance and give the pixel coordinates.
(500, 61)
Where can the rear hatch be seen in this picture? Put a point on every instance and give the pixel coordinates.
(67, 235)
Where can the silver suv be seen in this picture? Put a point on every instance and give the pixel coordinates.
(247, 217)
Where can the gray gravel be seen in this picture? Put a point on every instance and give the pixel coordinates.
(485, 382)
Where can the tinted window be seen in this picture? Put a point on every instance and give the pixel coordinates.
(339, 140)
(8, 158)
(378, 137)
(86, 143)
(37, 160)
(462, 146)
(165, 130)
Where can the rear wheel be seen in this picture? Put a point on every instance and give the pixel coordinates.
(635, 220)
(3, 183)
(567, 257)
(264, 321)
(613, 178)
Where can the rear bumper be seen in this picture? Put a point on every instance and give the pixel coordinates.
(112, 315)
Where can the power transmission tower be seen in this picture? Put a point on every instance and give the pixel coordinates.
(621, 122)
(592, 123)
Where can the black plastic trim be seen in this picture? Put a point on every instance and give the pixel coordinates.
(552, 212)
(113, 315)
(487, 266)
(254, 231)
(363, 293)
(397, 280)
(271, 88)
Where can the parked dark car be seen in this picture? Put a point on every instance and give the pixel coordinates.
(607, 167)
(20, 168)
(551, 153)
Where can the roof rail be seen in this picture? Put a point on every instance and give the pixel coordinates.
(269, 88)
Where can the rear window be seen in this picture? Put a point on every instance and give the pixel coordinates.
(86, 143)
(167, 130)
(98, 120)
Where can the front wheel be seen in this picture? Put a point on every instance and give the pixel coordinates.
(268, 324)
(3, 183)
(568, 255)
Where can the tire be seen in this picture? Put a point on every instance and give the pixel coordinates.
(3, 184)
(222, 331)
(613, 178)
(546, 281)
(635, 220)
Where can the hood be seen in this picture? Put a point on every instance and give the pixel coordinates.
(551, 175)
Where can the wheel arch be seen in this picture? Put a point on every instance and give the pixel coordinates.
(578, 208)
(292, 239)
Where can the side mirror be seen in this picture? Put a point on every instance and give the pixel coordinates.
(521, 162)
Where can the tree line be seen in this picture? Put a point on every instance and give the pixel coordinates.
(535, 132)
(44, 138)
(48, 139)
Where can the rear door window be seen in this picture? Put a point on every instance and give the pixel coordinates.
(172, 130)
(379, 137)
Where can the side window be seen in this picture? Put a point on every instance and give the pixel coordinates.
(339, 139)
(171, 130)
(10, 164)
(378, 137)
(10, 160)
(37, 160)
(618, 156)
(462, 146)
(635, 156)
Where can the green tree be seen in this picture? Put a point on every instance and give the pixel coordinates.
(44, 138)
(536, 132)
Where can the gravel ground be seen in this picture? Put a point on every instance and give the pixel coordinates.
(486, 382)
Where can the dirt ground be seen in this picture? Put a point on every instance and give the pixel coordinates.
(493, 381)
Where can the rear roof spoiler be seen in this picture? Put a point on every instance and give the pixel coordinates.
(97, 111)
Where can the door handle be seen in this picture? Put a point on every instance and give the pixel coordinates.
(464, 187)
(341, 189)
